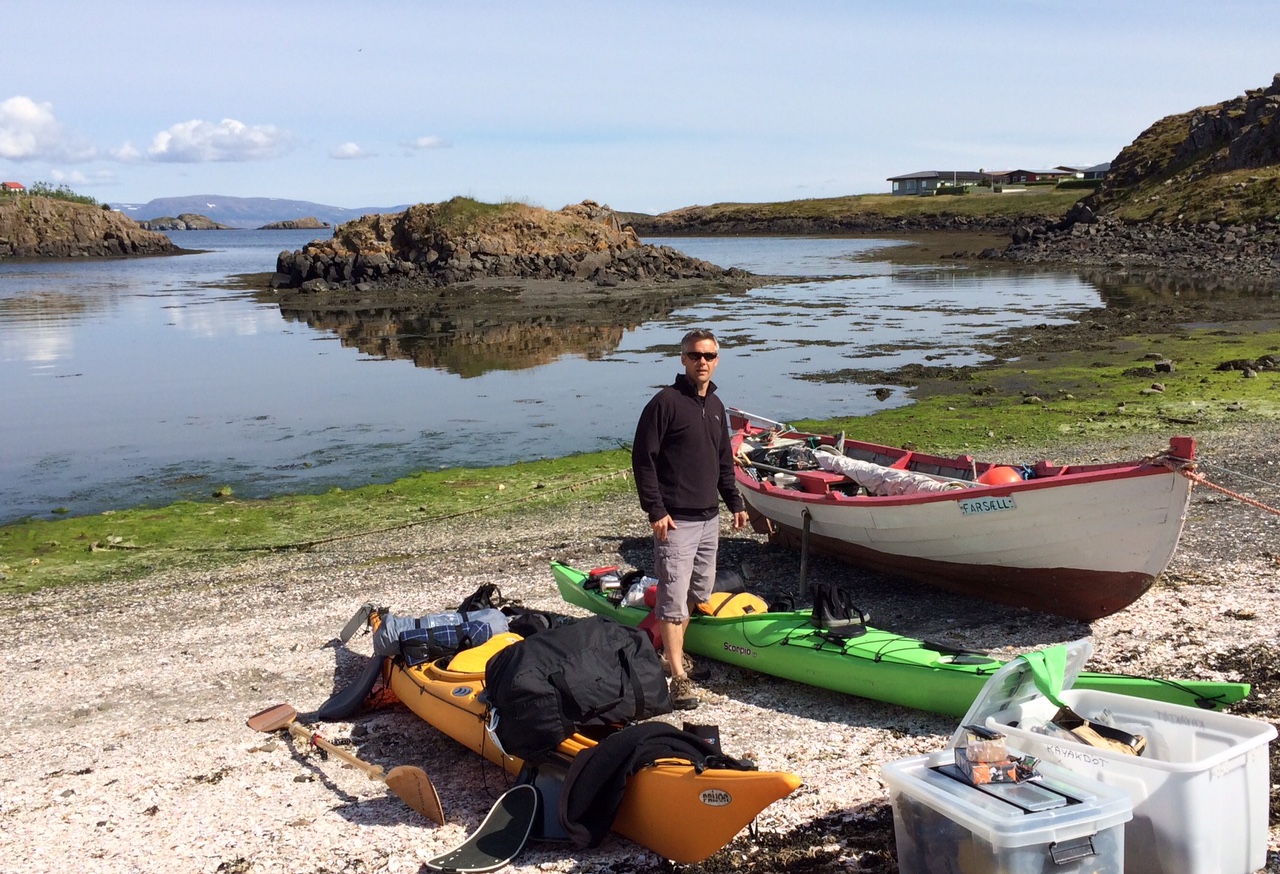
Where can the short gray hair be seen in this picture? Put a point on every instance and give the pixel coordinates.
(697, 335)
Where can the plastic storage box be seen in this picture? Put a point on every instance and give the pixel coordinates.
(1199, 790)
(1064, 823)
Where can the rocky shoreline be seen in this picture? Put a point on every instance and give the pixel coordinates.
(187, 221)
(694, 222)
(308, 223)
(1247, 253)
(1242, 252)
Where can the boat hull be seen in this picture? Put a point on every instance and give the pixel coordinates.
(879, 665)
(1076, 593)
(672, 809)
(1082, 543)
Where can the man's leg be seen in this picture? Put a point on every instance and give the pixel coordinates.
(681, 565)
(686, 575)
(702, 581)
(673, 561)
(673, 644)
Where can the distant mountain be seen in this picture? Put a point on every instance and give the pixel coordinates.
(247, 212)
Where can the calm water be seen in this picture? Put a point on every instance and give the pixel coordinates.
(139, 382)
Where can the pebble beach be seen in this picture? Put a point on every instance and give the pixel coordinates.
(125, 703)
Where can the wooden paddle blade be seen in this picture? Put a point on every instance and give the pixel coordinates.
(273, 718)
(415, 788)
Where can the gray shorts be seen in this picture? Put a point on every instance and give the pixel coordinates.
(685, 565)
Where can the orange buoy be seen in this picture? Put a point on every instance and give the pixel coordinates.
(1000, 476)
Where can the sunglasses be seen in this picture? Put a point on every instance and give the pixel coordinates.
(705, 356)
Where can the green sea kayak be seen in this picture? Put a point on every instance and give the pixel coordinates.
(879, 665)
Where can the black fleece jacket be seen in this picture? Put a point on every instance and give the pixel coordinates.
(680, 456)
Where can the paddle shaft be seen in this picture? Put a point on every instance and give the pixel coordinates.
(411, 784)
(374, 772)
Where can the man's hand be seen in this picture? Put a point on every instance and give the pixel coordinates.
(740, 519)
(662, 526)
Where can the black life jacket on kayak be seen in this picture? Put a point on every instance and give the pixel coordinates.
(593, 788)
(521, 620)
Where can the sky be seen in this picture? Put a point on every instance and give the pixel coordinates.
(644, 107)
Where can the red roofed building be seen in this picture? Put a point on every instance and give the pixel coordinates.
(12, 187)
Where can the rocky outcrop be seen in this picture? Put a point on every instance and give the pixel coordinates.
(462, 241)
(187, 221)
(43, 227)
(1238, 134)
(1196, 193)
(310, 223)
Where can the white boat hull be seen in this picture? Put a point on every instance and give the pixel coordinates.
(1079, 545)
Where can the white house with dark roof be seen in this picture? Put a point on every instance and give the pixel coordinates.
(929, 181)
(1097, 171)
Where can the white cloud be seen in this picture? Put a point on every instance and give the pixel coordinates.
(28, 131)
(347, 151)
(198, 142)
(127, 153)
(428, 142)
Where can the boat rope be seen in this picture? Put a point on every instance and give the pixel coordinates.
(1189, 469)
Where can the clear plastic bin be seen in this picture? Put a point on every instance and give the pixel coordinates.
(1062, 823)
(1200, 789)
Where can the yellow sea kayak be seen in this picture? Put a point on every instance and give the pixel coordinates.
(678, 813)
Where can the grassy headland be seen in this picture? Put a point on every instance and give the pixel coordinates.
(865, 213)
(1213, 164)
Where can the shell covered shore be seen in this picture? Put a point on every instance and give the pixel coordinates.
(125, 704)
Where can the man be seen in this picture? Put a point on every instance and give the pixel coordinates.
(683, 468)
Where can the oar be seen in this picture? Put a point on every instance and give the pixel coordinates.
(411, 784)
(777, 426)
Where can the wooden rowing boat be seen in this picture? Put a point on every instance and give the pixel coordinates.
(1081, 541)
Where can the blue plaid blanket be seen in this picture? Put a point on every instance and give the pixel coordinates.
(421, 639)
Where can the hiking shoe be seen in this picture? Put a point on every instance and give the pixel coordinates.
(690, 669)
(684, 660)
(684, 695)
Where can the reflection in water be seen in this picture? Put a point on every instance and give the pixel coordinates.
(41, 327)
(457, 344)
(473, 333)
(1132, 288)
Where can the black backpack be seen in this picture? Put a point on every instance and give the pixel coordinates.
(521, 620)
(590, 672)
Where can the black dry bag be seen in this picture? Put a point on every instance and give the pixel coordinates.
(590, 672)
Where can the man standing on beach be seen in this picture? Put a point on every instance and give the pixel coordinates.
(683, 468)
